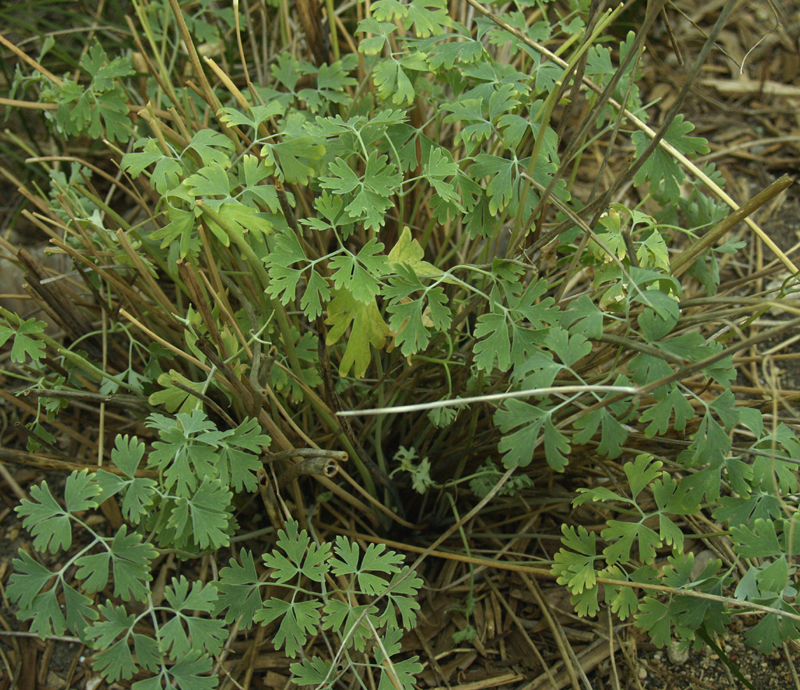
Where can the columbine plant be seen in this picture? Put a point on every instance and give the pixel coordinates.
(402, 216)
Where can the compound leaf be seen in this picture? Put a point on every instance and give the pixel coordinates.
(26, 342)
(238, 590)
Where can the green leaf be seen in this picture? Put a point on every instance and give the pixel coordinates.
(739, 511)
(660, 169)
(167, 174)
(758, 541)
(299, 619)
(342, 180)
(372, 45)
(185, 444)
(303, 557)
(446, 54)
(376, 559)
(772, 630)
(131, 560)
(139, 494)
(504, 182)
(238, 590)
(316, 294)
(135, 162)
(27, 580)
(127, 454)
(26, 342)
(47, 522)
(115, 662)
(104, 75)
(613, 433)
(79, 610)
(475, 128)
(297, 159)
(255, 116)
(774, 578)
(569, 348)
(392, 83)
(351, 620)
(654, 617)
(556, 446)
(239, 451)
(314, 671)
(583, 316)
(357, 274)
(641, 472)
(426, 17)
(575, 568)
(410, 319)
(93, 569)
(401, 593)
(372, 194)
(212, 147)
(519, 446)
(537, 371)
(624, 534)
(254, 194)
(148, 654)
(208, 512)
(402, 671)
(210, 181)
(646, 369)
(654, 326)
(662, 315)
(381, 181)
(659, 414)
(586, 603)
(574, 563)
(622, 600)
(182, 228)
(206, 635)
(191, 672)
(493, 342)
(440, 166)
(173, 397)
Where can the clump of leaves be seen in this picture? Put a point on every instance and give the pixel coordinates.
(189, 627)
(401, 216)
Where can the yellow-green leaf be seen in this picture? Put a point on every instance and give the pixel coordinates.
(409, 251)
(368, 329)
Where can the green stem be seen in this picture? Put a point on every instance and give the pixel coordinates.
(261, 273)
(332, 26)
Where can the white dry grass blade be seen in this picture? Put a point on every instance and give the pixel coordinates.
(629, 390)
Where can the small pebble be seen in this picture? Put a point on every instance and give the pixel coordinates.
(677, 653)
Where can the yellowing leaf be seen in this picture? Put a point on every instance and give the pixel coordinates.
(409, 251)
(368, 328)
(173, 397)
